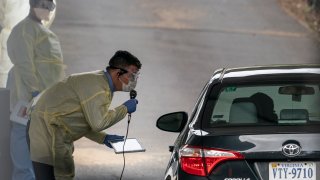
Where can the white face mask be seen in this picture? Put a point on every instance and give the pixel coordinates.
(42, 14)
(130, 86)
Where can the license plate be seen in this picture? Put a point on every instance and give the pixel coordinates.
(292, 171)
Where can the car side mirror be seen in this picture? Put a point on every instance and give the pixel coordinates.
(172, 122)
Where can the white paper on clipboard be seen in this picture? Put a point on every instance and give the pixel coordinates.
(19, 113)
(131, 145)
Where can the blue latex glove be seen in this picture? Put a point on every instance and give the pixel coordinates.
(110, 137)
(35, 93)
(131, 105)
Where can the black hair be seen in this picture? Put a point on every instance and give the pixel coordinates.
(122, 59)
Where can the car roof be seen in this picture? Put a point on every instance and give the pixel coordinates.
(270, 72)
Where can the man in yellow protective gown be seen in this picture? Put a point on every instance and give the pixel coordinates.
(75, 107)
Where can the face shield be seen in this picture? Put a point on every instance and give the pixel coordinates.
(43, 5)
(134, 76)
(133, 80)
(49, 5)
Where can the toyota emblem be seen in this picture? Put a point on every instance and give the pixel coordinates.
(291, 150)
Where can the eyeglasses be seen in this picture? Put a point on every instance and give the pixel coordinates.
(134, 76)
(46, 5)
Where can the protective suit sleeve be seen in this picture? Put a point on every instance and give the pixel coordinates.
(49, 63)
(97, 113)
(23, 59)
(96, 136)
(62, 153)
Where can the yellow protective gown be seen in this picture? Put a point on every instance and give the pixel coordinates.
(69, 110)
(36, 54)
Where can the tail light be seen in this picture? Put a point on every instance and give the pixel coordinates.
(201, 161)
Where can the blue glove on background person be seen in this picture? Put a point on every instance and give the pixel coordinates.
(131, 105)
(35, 93)
(110, 137)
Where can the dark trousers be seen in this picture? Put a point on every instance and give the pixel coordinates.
(42, 171)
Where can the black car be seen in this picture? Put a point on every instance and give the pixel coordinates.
(252, 123)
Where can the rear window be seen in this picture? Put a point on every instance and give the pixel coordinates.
(281, 104)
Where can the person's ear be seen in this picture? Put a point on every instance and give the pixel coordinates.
(118, 73)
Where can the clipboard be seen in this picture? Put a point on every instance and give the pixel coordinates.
(19, 113)
(131, 145)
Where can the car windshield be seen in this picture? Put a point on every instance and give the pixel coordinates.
(280, 104)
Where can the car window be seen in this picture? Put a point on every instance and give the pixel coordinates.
(280, 104)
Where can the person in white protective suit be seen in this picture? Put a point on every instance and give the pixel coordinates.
(79, 107)
(36, 56)
(11, 12)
